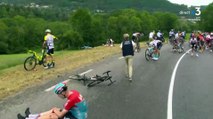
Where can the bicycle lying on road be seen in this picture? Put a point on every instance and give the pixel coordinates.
(94, 80)
(150, 52)
(31, 61)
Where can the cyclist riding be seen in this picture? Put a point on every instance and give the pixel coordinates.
(171, 37)
(160, 36)
(201, 41)
(74, 108)
(136, 37)
(151, 35)
(157, 46)
(49, 44)
(193, 43)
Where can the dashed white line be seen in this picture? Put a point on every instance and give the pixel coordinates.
(86, 72)
(171, 87)
(51, 88)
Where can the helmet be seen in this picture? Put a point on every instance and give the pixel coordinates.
(59, 88)
(48, 31)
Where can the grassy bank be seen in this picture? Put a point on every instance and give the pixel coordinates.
(14, 78)
(7, 61)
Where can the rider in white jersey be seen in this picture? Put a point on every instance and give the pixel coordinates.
(49, 44)
(157, 46)
(194, 43)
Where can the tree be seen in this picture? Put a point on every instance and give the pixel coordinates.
(71, 40)
(3, 38)
(207, 18)
(81, 21)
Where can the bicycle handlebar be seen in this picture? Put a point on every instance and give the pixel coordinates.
(107, 72)
(30, 51)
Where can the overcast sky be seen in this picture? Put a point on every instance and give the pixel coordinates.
(192, 2)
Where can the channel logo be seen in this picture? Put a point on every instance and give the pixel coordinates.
(196, 12)
(193, 14)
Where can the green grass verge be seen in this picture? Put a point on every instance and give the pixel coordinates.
(7, 61)
(11, 60)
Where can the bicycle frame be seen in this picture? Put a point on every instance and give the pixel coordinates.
(39, 58)
(151, 49)
(92, 81)
(150, 52)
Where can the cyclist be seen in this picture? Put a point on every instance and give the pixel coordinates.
(74, 108)
(171, 36)
(180, 39)
(208, 40)
(201, 41)
(136, 38)
(160, 35)
(184, 35)
(211, 41)
(49, 44)
(151, 35)
(193, 43)
(157, 46)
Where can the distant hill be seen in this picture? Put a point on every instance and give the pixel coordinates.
(105, 5)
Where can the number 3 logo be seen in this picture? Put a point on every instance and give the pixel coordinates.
(198, 12)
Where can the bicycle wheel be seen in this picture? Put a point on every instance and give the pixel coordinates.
(44, 61)
(147, 54)
(182, 49)
(30, 63)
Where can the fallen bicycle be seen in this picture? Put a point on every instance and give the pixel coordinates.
(94, 80)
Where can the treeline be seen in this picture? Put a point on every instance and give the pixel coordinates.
(106, 5)
(206, 23)
(50, 13)
(21, 32)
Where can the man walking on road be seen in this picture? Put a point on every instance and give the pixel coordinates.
(127, 47)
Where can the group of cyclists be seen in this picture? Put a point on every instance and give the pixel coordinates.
(177, 39)
(198, 41)
(201, 41)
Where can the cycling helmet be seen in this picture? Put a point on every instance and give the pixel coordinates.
(59, 88)
(48, 31)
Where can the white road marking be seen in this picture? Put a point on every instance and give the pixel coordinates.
(120, 58)
(86, 72)
(51, 88)
(171, 87)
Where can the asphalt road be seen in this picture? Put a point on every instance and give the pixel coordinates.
(145, 98)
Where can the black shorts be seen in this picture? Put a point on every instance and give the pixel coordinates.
(201, 42)
(50, 51)
(159, 45)
(194, 45)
